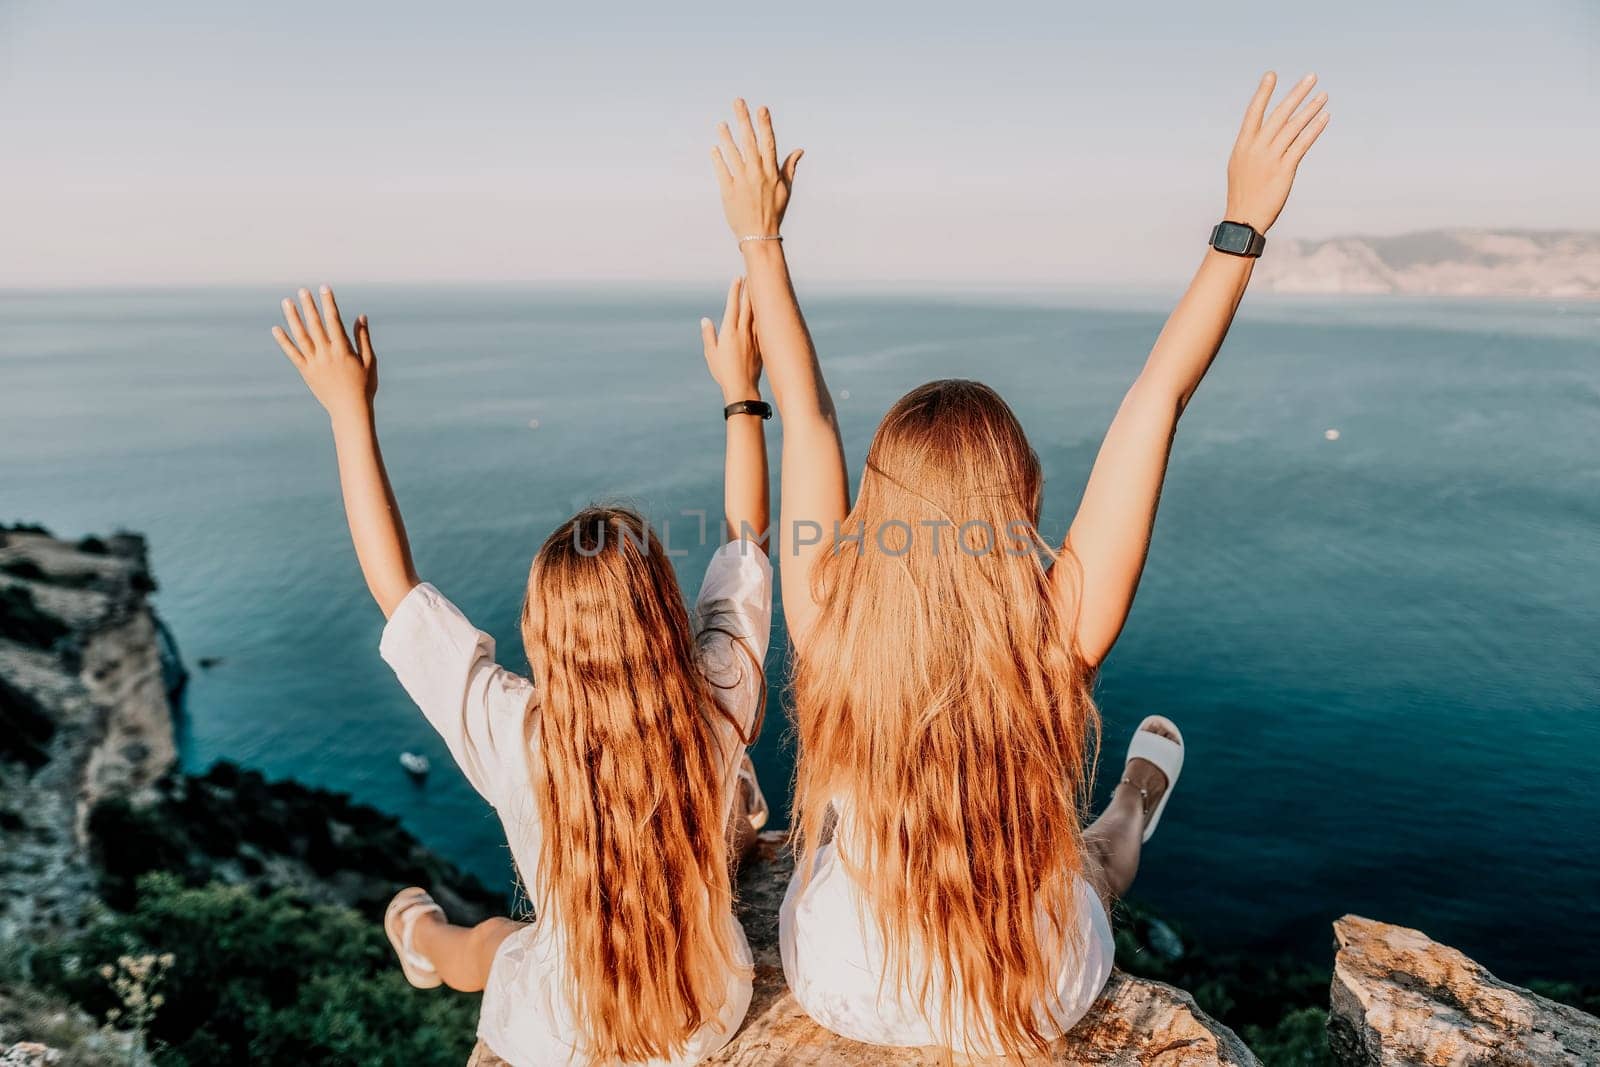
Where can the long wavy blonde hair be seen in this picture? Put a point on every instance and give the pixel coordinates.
(944, 710)
(628, 778)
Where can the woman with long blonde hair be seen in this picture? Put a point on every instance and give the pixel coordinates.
(614, 766)
(944, 652)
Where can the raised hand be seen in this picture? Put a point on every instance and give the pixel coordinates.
(341, 375)
(344, 378)
(732, 355)
(1111, 532)
(735, 363)
(755, 187)
(1269, 150)
(815, 492)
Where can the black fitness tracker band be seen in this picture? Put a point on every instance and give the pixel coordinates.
(1237, 239)
(748, 407)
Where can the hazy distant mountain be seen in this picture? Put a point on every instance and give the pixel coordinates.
(1529, 263)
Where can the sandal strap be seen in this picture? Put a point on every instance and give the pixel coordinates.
(1165, 752)
(409, 914)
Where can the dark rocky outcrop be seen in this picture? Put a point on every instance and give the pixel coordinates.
(85, 706)
(90, 797)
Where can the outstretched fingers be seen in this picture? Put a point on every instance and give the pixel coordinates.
(1274, 122)
(287, 345)
(754, 185)
(330, 315)
(708, 337)
(1307, 137)
(1258, 106)
(313, 321)
(730, 151)
(747, 132)
(1297, 122)
(364, 341)
(297, 329)
(1262, 166)
(791, 164)
(769, 142)
(730, 313)
(724, 176)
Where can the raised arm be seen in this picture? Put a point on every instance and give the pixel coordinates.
(1110, 535)
(814, 491)
(735, 364)
(344, 379)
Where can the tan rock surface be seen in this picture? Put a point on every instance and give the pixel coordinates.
(1399, 997)
(104, 690)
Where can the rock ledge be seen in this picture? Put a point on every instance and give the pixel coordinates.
(1400, 998)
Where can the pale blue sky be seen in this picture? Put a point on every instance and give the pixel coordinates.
(175, 142)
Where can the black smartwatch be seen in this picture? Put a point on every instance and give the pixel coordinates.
(748, 407)
(1237, 239)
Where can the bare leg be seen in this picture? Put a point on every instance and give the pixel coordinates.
(741, 835)
(749, 813)
(1113, 840)
(461, 954)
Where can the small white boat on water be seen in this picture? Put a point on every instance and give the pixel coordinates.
(415, 765)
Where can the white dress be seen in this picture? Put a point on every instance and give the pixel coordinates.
(479, 708)
(835, 962)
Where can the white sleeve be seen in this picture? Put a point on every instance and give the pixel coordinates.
(733, 622)
(447, 666)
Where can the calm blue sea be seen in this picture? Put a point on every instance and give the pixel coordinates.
(1382, 649)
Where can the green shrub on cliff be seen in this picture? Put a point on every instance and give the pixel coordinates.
(263, 979)
(1277, 1004)
(1299, 1039)
(232, 821)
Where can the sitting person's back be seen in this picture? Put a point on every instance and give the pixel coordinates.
(613, 774)
(613, 769)
(945, 723)
(946, 893)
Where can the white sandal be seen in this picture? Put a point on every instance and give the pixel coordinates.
(756, 811)
(400, 922)
(1165, 753)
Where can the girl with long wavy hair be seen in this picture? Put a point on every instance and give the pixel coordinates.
(613, 766)
(944, 652)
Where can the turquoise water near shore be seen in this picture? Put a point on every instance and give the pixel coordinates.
(1381, 649)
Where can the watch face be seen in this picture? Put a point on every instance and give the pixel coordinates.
(1232, 237)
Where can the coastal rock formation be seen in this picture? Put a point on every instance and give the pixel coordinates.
(1399, 998)
(89, 795)
(1519, 263)
(1135, 1021)
(90, 800)
(84, 712)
